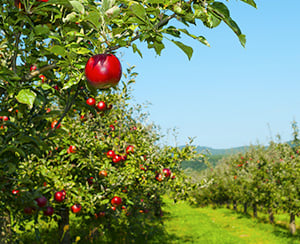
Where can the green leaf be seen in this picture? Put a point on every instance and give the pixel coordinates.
(250, 2)
(94, 17)
(171, 30)
(242, 39)
(139, 11)
(187, 49)
(58, 50)
(46, 86)
(77, 6)
(26, 96)
(70, 83)
(221, 9)
(82, 50)
(11, 168)
(178, 10)
(106, 4)
(202, 39)
(41, 29)
(112, 12)
(71, 17)
(135, 49)
(156, 1)
(231, 23)
(211, 21)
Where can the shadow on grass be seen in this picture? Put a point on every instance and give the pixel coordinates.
(92, 231)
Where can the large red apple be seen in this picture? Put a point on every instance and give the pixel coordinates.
(103, 71)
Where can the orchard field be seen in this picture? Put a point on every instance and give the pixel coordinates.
(263, 180)
(78, 161)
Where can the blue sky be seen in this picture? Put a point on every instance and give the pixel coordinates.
(227, 95)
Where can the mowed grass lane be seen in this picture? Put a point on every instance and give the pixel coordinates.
(186, 224)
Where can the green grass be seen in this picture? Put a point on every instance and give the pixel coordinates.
(206, 225)
(186, 224)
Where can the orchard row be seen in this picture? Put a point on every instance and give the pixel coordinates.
(264, 177)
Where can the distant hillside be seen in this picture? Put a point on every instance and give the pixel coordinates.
(212, 151)
(214, 155)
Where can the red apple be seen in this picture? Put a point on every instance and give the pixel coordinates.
(103, 71)
(103, 173)
(116, 201)
(91, 101)
(117, 159)
(110, 154)
(5, 118)
(76, 208)
(59, 196)
(167, 172)
(15, 192)
(112, 127)
(33, 68)
(130, 149)
(71, 149)
(53, 124)
(43, 78)
(101, 106)
(90, 180)
(41, 201)
(159, 177)
(29, 210)
(123, 157)
(49, 211)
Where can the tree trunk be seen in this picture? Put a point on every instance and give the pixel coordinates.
(271, 215)
(245, 208)
(254, 210)
(5, 227)
(228, 204)
(292, 226)
(64, 226)
(234, 205)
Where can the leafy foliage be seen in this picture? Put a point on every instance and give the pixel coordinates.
(47, 131)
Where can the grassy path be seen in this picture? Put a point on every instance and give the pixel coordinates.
(186, 224)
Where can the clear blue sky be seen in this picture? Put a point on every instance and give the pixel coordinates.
(227, 95)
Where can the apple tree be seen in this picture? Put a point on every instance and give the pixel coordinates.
(44, 48)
